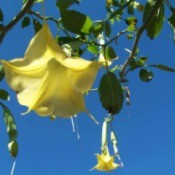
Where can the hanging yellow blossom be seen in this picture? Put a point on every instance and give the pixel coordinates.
(105, 162)
(48, 82)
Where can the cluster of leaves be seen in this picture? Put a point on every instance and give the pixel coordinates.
(9, 120)
(81, 34)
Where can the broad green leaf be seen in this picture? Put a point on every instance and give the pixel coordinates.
(131, 20)
(4, 94)
(76, 22)
(1, 15)
(171, 21)
(109, 53)
(131, 28)
(156, 24)
(111, 93)
(164, 67)
(2, 74)
(93, 49)
(97, 28)
(10, 123)
(37, 25)
(142, 61)
(25, 22)
(107, 29)
(133, 65)
(13, 148)
(145, 75)
(64, 4)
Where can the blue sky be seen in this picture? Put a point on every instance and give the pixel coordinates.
(145, 130)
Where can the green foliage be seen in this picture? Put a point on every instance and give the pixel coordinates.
(76, 22)
(97, 28)
(93, 49)
(134, 64)
(145, 75)
(111, 93)
(109, 53)
(1, 72)
(64, 4)
(36, 25)
(107, 29)
(156, 23)
(1, 15)
(79, 34)
(25, 22)
(171, 21)
(11, 130)
(4, 95)
(164, 67)
(13, 148)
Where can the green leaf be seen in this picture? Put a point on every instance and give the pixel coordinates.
(93, 49)
(64, 4)
(97, 28)
(107, 29)
(2, 73)
(131, 28)
(109, 53)
(111, 93)
(171, 21)
(13, 148)
(145, 75)
(37, 25)
(1, 15)
(25, 22)
(131, 20)
(4, 94)
(142, 61)
(164, 67)
(133, 65)
(156, 24)
(10, 123)
(76, 22)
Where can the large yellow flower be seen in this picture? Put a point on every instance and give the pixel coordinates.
(48, 82)
(105, 162)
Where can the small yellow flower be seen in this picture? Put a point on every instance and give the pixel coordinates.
(105, 162)
(48, 82)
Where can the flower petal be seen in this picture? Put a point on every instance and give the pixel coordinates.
(54, 96)
(82, 73)
(19, 74)
(43, 47)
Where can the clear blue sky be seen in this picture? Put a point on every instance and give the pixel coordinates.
(145, 130)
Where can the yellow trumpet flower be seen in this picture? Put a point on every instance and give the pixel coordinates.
(105, 162)
(48, 82)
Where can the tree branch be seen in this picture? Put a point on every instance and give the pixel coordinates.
(118, 11)
(137, 38)
(57, 21)
(16, 19)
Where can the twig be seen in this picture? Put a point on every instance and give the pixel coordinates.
(51, 19)
(15, 20)
(117, 11)
(138, 35)
(116, 37)
(37, 14)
